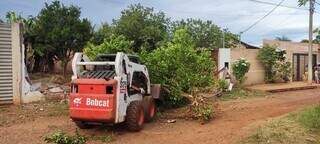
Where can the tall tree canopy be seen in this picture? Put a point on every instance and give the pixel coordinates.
(302, 2)
(28, 35)
(282, 38)
(104, 32)
(205, 33)
(61, 32)
(146, 28)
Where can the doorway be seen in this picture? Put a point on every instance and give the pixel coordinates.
(300, 65)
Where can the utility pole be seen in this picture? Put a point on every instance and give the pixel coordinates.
(310, 66)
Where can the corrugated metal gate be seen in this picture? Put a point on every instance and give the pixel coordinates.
(6, 90)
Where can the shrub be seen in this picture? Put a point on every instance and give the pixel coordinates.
(222, 84)
(268, 57)
(179, 67)
(239, 69)
(274, 63)
(284, 70)
(62, 138)
(116, 43)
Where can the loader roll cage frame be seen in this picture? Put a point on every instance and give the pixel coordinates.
(120, 63)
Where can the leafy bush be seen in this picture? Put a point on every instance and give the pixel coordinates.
(179, 67)
(274, 63)
(116, 43)
(62, 138)
(222, 84)
(239, 69)
(268, 57)
(284, 70)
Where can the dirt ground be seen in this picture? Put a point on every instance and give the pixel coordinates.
(233, 123)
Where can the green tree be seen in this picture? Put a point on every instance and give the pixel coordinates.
(179, 67)
(205, 33)
(146, 28)
(282, 38)
(61, 32)
(112, 45)
(104, 32)
(28, 35)
(302, 2)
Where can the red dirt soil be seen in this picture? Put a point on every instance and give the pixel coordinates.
(231, 125)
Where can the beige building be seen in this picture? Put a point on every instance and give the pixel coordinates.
(249, 52)
(225, 58)
(297, 54)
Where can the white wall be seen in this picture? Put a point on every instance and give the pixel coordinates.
(223, 57)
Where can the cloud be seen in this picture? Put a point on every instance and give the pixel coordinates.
(236, 15)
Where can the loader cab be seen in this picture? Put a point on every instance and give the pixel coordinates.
(112, 57)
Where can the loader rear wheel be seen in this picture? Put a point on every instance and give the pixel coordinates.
(135, 116)
(82, 125)
(150, 108)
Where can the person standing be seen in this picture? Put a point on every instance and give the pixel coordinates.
(316, 74)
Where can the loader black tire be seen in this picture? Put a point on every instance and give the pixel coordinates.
(135, 116)
(150, 108)
(82, 125)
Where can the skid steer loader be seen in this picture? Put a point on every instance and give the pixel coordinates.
(114, 88)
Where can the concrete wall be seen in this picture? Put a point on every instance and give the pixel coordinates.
(17, 61)
(256, 71)
(224, 57)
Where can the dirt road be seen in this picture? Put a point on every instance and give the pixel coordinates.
(228, 127)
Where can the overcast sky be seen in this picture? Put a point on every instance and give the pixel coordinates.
(236, 15)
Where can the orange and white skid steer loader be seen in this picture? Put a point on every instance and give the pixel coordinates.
(114, 88)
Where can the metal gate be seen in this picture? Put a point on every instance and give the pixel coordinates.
(6, 79)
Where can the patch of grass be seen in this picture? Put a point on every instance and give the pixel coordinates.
(240, 93)
(63, 138)
(54, 127)
(309, 118)
(58, 109)
(103, 138)
(300, 127)
(281, 131)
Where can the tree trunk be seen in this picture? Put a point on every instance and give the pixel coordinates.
(65, 66)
